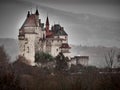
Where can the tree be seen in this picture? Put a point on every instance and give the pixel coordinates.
(4, 58)
(118, 58)
(41, 57)
(61, 62)
(7, 78)
(110, 58)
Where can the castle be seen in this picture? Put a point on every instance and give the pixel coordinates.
(34, 36)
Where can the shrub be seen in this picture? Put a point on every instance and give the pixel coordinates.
(41, 57)
(61, 62)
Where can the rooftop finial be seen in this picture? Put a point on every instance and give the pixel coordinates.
(28, 14)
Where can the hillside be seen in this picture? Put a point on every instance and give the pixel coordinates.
(96, 54)
(11, 47)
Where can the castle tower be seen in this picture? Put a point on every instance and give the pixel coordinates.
(29, 36)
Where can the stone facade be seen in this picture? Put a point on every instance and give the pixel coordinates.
(34, 36)
(83, 60)
(76, 60)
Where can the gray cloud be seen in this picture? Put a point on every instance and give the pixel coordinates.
(83, 26)
(78, 1)
(65, 1)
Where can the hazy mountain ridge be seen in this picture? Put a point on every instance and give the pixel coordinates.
(96, 53)
(11, 47)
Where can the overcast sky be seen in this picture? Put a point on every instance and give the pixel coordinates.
(87, 22)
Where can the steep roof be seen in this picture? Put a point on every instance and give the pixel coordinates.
(30, 21)
(61, 32)
(58, 30)
(47, 21)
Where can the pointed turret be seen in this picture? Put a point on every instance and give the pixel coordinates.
(48, 32)
(47, 25)
(47, 21)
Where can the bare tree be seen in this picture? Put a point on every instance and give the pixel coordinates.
(110, 58)
(4, 58)
(118, 58)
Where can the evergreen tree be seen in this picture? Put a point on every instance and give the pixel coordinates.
(41, 57)
(61, 62)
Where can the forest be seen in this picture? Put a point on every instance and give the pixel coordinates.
(19, 75)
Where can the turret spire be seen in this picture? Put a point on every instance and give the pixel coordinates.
(47, 21)
(47, 24)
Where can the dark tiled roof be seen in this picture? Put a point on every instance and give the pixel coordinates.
(57, 27)
(47, 21)
(58, 30)
(65, 45)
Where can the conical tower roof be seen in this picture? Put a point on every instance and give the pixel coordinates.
(47, 21)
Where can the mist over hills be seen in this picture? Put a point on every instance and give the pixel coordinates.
(11, 47)
(96, 53)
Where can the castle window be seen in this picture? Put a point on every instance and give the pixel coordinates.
(56, 49)
(28, 49)
(65, 37)
(24, 48)
(26, 42)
